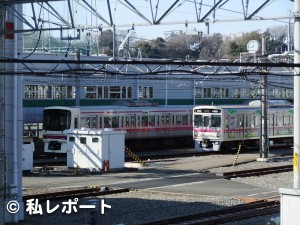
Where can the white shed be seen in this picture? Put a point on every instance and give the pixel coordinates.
(95, 149)
(27, 154)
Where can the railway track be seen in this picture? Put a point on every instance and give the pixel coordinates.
(74, 193)
(225, 215)
(62, 160)
(257, 172)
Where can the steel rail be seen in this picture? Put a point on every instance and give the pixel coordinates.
(257, 172)
(229, 214)
(76, 193)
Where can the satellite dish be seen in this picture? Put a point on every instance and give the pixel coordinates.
(253, 46)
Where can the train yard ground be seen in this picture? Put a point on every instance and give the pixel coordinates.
(168, 188)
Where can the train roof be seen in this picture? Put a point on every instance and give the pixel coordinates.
(252, 104)
(223, 106)
(125, 108)
(135, 109)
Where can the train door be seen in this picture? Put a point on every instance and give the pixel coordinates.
(100, 123)
(271, 124)
(166, 123)
(76, 122)
(130, 124)
(230, 122)
(94, 122)
(240, 129)
(85, 121)
(227, 126)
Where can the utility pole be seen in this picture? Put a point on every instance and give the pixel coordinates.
(114, 42)
(2, 125)
(264, 142)
(77, 80)
(296, 95)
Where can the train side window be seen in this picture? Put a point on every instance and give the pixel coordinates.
(167, 119)
(94, 122)
(145, 121)
(173, 120)
(239, 121)
(83, 140)
(138, 121)
(88, 122)
(252, 121)
(152, 121)
(122, 121)
(257, 121)
(246, 121)
(280, 120)
(178, 120)
(100, 122)
(132, 121)
(127, 121)
(227, 122)
(286, 120)
(162, 120)
(236, 122)
(107, 122)
(185, 120)
(115, 122)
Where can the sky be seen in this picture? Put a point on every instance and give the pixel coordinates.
(184, 11)
(275, 9)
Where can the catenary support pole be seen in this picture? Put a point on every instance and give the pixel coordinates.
(296, 94)
(264, 140)
(2, 126)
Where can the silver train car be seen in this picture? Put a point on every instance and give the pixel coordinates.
(218, 85)
(159, 125)
(218, 128)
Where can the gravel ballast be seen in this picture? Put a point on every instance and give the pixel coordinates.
(140, 206)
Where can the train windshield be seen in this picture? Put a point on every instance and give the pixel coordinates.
(207, 121)
(57, 119)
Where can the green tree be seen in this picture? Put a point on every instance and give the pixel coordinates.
(105, 42)
(234, 49)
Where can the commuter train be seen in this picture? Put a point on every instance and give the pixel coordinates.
(144, 124)
(102, 84)
(218, 85)
(218, 128)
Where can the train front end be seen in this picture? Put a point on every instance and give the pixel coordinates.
(207, 128)
(56, 122)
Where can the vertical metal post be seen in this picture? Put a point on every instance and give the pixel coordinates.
(2, 86)
(14, 118)
(194, 92)
(296, 94)
(289, 36)
(77, 80)
(166, 89)
(264, 148)
(114, 42)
